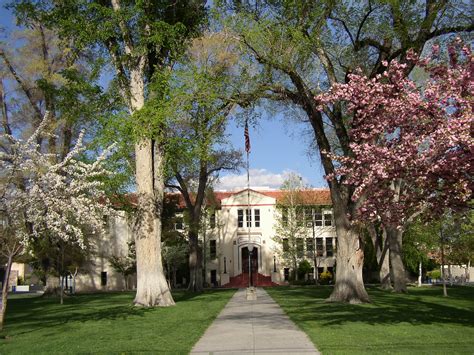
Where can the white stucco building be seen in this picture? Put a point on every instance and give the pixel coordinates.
(251, 217)
(226, 241)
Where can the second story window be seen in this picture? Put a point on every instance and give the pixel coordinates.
(327, 219)
(319, 247)
(286, 245)
(212, 249)
(300, 247)
(240, 218)
(179, 224)
(308, 216)
(329, 249)
(212, 220)
(247, 215)
(257, 217)
(284, 216)
(318, 219)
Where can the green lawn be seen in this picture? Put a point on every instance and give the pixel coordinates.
(108, 323)
(421, 322)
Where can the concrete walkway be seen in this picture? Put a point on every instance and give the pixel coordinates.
(253, 327)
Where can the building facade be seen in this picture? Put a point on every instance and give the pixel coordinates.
(241, 234)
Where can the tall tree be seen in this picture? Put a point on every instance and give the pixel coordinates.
(204, 93)
(305, 48)
(411, 147)
(40, 198)
(141, 40)
(42, 72)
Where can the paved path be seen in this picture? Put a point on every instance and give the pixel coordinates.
(253, 327)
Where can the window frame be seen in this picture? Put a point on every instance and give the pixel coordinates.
(256, 215)
(213, 249)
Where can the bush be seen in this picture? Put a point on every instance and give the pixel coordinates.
(434, 274)
(304, 268)
(325, 278)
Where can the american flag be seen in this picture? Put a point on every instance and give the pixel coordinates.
(247, 137)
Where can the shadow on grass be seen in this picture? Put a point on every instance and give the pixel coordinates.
(38, 313)
(420, 306)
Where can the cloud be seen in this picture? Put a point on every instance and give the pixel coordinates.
(259, 179)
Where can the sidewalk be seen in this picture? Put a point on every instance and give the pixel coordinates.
(253, 327)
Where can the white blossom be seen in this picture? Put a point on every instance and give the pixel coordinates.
(40, 196)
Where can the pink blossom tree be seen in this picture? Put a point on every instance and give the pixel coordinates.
(412, 147)
(40, 196)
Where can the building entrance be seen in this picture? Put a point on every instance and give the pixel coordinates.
(253, 262)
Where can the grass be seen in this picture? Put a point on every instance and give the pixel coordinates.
(420, 322)
(108, 323)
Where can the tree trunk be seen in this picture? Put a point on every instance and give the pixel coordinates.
(174, 276)
(152, 288)
(61, 289)
(420, 271)
(349, 286)
(6, 281)
(394, 236)
(384, 271)
(195, 264)
(380, 242)
(467, 270)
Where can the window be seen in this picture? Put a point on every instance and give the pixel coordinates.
(299, 216)
(103, 278)
(179, 224)
(257, 217)
(318, 219)
(212, 220)
(240, 218)
(214, 278)
(309, 244)
(327, 219)
(300, 247)
(329, 251)
(248, 214)
(286, 273)
(286, 245)
(212, 249)
(308, 216)
(319, 246)
(284, 216)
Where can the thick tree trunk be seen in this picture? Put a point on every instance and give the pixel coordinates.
(384, 271)
(6, 280)
(382, 252)
(349, 286)
(152, 288)
(394, 236)
(195, 264)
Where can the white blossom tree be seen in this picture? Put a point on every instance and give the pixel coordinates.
(40, 196)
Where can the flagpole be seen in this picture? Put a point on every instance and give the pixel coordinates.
(248, 213)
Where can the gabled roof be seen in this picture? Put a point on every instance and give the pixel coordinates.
(319, 197)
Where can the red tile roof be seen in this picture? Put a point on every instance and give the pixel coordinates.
(309, 197)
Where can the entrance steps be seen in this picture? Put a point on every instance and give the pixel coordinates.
(242, 281)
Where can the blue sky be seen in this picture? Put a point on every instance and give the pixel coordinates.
(278, 146)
